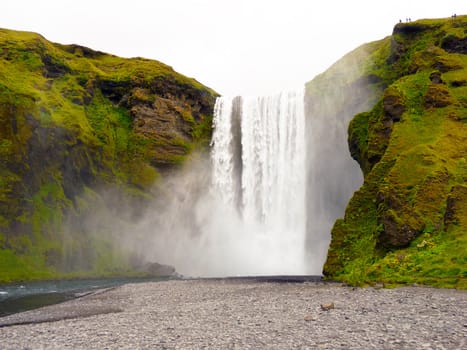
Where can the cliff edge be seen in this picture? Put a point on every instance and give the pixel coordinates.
(408, 222)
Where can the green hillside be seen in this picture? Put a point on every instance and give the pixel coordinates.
(408, 222)
(73, 120)
(79, 128)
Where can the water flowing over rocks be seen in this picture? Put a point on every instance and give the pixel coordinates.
(241, 314)
(258, 157)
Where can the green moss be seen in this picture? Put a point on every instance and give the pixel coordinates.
(16, 267)
(49, 204)
(67, 124)
(405, 225)
(376, 66)
(202, 131)
(111, 126)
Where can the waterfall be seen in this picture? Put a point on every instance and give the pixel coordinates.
(264, 200)
(258, 170)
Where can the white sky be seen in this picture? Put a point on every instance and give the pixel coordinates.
(233, 46)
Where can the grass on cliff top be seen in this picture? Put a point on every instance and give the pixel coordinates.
(26, 47)
(60, 100)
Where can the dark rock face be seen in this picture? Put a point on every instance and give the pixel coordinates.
(456, 211)
(397, 51)
(401, 223)
(435, 78)
(398, 233)
(114, 90)
(393, 104)
(167, 119)
(53, 68)
(437, 96)
(81, 51)
(459, 83)
(413, 28)
(163, 111)
(454, 44)
(443, 65)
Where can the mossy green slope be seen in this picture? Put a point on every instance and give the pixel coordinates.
(73, 120)
(408, 222)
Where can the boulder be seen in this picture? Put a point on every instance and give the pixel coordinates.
(157, 270)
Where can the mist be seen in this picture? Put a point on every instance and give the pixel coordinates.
(228, 211)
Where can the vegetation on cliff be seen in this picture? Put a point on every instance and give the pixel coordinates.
(408, 222)
(73, 120)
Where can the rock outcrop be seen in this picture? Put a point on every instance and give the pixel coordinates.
(73, 120)
(406, 223)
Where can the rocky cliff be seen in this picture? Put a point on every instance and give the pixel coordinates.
(73, 120)
(76, 122)
(408, 222)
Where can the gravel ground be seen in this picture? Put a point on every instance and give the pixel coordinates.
(241, 314)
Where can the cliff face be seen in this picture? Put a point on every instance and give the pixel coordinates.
(331, 100)
(72, 120)
(408, 222)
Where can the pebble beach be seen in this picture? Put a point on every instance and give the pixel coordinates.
(245, 314)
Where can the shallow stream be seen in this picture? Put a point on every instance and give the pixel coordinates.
(18, 297)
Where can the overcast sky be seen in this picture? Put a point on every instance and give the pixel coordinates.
(233, 46)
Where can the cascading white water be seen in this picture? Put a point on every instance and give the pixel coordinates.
(265, 200)
(258, 169)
